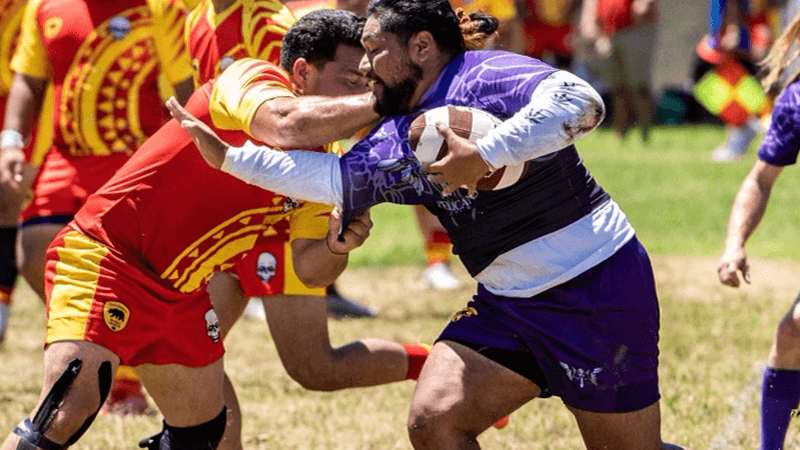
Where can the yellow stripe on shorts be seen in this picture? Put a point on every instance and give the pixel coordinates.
(291, 283)
(74, 286)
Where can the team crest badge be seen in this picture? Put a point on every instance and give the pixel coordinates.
(466, 312)
(289, 205)
(116, 315)
(212, 325)
(119, 27)
(52, 26)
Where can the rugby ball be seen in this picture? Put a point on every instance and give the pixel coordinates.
(469, 123)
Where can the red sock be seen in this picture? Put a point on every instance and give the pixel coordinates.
(126, 383)
(5, 295)
(417, 354)
(437, 247)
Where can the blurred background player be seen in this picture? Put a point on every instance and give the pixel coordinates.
(548, 30)
(104, 61)
(739, 36)
(780, 392)
(12, 200)
(618, 43)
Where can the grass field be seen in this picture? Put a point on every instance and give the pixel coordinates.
(714, 339)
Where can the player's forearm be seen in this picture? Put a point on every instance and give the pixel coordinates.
(311, 121)
(317, 265)
(563, 109)
(747, 211)
(300, 174)
(24, 103)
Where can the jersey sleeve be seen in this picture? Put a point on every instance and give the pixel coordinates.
(30, 57)
(264, 24)
(242, 88)
(169, 18)
(782, 140)
(309, 221)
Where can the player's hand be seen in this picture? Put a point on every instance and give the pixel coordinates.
(210, 145)
(463, 166)
(732, 261)
(12, 161)
(354, 235)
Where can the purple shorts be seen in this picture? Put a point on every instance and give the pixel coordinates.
(593, 340)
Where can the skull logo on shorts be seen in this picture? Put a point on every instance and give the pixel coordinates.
(266, 266)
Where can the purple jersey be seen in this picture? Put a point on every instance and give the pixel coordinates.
(782, 141)
(557, 191)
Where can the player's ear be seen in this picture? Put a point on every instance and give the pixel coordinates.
(421, 47)
(303, 74)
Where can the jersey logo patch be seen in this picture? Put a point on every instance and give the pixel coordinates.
(52, 26)
(116, 315)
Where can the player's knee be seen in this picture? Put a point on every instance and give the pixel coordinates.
(67, 409)
(429, 427)
(789, 327)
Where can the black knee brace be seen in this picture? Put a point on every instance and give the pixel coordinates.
(204, 436)
(31, 433)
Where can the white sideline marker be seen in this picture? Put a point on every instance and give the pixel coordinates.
(734, 430)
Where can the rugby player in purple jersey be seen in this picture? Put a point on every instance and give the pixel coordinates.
(780, 391)
(566, 302)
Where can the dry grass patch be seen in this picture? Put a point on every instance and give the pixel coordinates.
(714, 341)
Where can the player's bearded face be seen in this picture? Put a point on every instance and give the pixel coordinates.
(396, 98)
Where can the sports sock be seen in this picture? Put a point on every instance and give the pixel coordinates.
(126, 383)
(417, 354)
(8, 263)
(780, 395)
(437, 247)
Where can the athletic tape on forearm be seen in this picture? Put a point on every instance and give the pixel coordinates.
(300, 174)
(563, 108)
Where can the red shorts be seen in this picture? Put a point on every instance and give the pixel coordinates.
(541, 38)
(95, 295)
(63, 184)
(268, 270)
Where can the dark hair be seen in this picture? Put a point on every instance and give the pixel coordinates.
(316, 36)
(453, 31)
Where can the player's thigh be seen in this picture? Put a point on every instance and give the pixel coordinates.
(299, 327)
(186, 396)
(93, 367)
(228, 299)
(462, 389)
(637, 430)
(34, 240)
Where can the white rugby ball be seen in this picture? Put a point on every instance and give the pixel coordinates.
(469, 123)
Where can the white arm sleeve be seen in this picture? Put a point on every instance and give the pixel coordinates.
(300, 174)
(563, 108)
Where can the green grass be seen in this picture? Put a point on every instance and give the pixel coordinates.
(674, 195)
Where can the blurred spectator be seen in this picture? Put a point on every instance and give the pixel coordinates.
(617, 42)
(739, 36)
(548, 30)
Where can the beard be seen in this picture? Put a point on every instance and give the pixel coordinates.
(396, 100)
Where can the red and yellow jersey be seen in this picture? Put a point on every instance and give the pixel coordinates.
(11, 13)
(303, 7)
(248, 28)
(501, 9)
(184, 220)
(103, 59)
